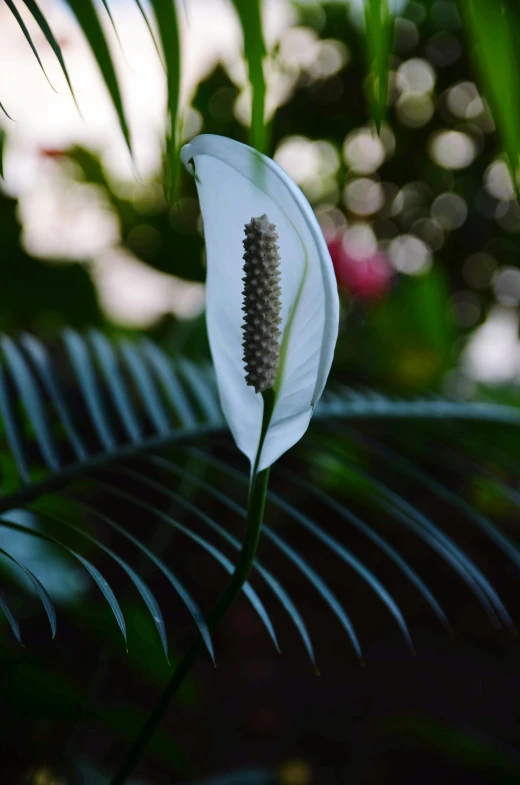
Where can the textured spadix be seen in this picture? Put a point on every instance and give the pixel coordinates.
(261, 304)
(236, 183)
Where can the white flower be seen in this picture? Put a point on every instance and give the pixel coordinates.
(235, 184)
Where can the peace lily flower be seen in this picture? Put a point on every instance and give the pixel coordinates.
(273, 320)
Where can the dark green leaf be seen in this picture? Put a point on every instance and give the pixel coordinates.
(354, 520)
(145, 385)
(426, 529)
(250, 16)
(379, 23)
(94, 573)
(114, 27)
(275, 586)
(11, 620)
(38, 586)
(12, 431)
(209, 548)
(40, 358)
(49, 35)
(106, 356)
(4, 110)
(494, 30)
(166, 375)
(31, 398)
(27, 35)
(80, 359)
(85, 13)
(166, 18)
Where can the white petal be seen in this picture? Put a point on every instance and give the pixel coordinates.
(236, 183)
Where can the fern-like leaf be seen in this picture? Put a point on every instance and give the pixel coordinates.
(85, 428)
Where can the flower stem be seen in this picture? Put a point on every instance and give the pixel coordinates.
(255, 513)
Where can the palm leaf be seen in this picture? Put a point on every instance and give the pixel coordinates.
(493, 30)
(102, 412)
(250, 16)
(4, 110)
(10, 4)
(88, 20)
(37, 14)
(166, 18)
(379, 24)
(89, 567)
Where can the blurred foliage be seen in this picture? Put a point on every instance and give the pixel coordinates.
(448, 227)
(40, 295)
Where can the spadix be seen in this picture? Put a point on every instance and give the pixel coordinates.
(291, 295)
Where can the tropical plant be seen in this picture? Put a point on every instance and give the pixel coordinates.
(122, 422)
(491, 29)
(101, 431)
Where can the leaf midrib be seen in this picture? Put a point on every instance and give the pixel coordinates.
(99, 460)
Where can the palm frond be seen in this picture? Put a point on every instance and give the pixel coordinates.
(422, 525)
(379, 24)
(86, 426)
(40, 19)
(31, 393)
(4, 110)
(493, 30)
(88, 19)
(250, 16)
(168, 27)
(10, 4)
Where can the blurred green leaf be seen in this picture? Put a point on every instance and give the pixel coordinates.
(27, 35)
(379, 23)
(34, 691)
(409, 337)
(112, 22)
(145, 655)
(86, 15)
(467, 746)
(250, 16)
(166, 239)
(2, 107)
(49, 35)
(494, 30)
(167, 24)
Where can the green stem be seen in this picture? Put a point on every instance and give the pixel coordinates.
(255, 513)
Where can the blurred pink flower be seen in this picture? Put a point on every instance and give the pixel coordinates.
(53, 153)
(367, 278)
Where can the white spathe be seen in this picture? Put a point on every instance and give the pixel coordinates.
(236, 183)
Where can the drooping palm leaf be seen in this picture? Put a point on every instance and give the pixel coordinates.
(4, 110)
(99, 411)
(88, 19)
(36, 12)
(10, 4)
(166, 18)
(491, 27)
(379, 24)
(250, 15)
(493, 30)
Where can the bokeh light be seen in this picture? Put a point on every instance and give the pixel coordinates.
(452, 149)
(409, 255)
(506, 285)
(450, 211)
(498, 181)
(364, 196)
(363, 151)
